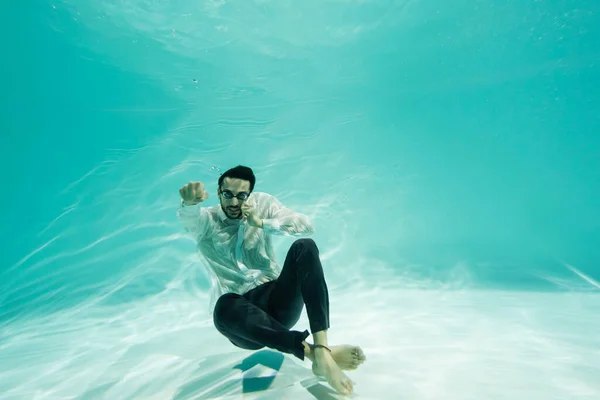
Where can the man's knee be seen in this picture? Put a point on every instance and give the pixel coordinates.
(226, 301)
(223, 307)
(306, 244)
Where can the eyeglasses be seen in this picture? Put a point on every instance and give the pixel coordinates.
(240, 196)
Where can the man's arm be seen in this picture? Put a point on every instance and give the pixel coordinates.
(280, 220)
(194, 219)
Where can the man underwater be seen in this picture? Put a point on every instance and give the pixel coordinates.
(257, 305)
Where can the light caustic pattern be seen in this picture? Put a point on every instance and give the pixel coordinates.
(142, 331)
(420, 344)
(111, 302)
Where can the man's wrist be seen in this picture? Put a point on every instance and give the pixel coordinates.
(189, 203)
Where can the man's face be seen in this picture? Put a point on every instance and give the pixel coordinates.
(232, 194)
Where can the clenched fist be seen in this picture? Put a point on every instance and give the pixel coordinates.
(193, 193)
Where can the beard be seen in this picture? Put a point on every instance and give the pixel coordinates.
(232, 212)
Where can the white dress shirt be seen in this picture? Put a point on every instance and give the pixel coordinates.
(240, 257)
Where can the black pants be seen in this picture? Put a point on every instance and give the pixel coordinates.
(263, 316)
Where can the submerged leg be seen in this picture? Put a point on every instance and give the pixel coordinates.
(248, 326)
(302, 282)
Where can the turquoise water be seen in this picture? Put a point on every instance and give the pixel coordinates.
(437, 146)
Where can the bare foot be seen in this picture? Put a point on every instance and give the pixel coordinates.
(324, 365)
(347, 357)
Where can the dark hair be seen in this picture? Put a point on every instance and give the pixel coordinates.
(239, 172)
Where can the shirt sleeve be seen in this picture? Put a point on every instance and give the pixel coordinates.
(280, 220)
(194, 219)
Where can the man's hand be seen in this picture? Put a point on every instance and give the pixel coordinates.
(193, 193)
(250, 216)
